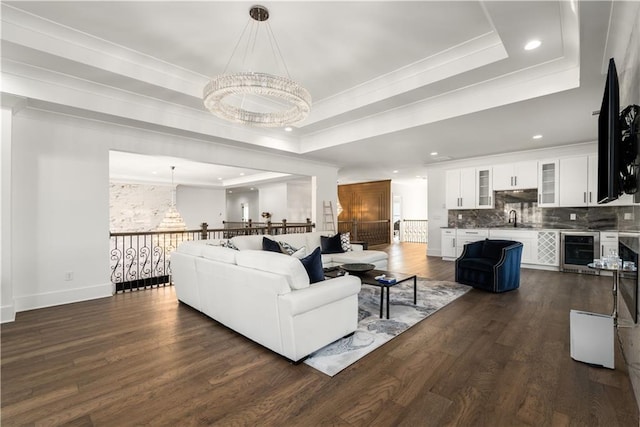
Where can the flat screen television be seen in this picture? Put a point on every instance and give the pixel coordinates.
(609, 139)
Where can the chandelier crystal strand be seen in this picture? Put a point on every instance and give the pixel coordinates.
(172, 220)
(295, 99)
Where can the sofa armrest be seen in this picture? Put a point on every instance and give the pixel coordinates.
(320, 294)
(356, 247)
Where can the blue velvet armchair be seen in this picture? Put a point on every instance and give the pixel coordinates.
(491, 265)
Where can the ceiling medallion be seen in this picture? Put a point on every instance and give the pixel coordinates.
(275, 101)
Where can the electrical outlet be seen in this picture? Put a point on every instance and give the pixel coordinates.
(572, 217)
(459, 216)
(68, 276)
(628, 216)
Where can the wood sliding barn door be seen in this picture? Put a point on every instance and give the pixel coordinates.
(369, 204)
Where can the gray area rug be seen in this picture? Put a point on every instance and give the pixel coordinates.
(373, 332)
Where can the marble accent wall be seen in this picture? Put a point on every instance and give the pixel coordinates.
(137, 207)
(524, 206)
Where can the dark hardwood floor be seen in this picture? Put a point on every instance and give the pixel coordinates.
(484, 360)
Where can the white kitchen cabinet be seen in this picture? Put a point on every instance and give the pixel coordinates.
(574, 177)
(454, 239)
(469, 188)
(448, 243)
(528, 239)
(460, 188)
(468, 235)
(484, 188)
(515, 176)
(608, 243)
(578, 181)
(548, 183)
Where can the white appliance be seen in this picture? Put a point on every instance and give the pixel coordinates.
(592, 338)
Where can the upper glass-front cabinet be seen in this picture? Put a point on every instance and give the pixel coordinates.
(484, 188)
(548, 183)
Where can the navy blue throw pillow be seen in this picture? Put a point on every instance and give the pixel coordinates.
(270, 245)
(313, 264)
(331, 245)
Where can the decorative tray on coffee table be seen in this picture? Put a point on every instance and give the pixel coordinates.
(357, 267)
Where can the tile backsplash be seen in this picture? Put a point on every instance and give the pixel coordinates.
(528, 214)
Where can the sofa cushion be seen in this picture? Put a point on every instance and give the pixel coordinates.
(492, 250)
(277, 263)
(243, 243)
(192, 247)
(313, 265)
(359, 257)
(219, 253)
(271, 245)
(331, 245)
(313, 239)
(300, 253)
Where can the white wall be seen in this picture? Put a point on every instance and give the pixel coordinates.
(60, 188)
(236, 199)
(198, 205)
(414, 199)
(7, 309)
(299, 200)
(273, 199)
(60, 214)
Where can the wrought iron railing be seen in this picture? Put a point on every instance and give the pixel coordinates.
(371, 232)
(142, 259)
(414, 230)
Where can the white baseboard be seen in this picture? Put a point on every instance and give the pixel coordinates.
(7, 313)
(433, 252)
(67, 296)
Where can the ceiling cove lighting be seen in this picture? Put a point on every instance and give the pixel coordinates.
(257, 98)
(532, 44)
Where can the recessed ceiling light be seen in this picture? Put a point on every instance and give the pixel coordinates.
(533, 44)
(395, 171)
(241, 173)
(230, 191)
(434, 153)
(220, 179)
(537, 136)
(252, 188)
(288, 129)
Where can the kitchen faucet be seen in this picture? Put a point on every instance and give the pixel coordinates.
(515, 217)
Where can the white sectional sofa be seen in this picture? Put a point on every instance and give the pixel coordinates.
(310, 241)
(266, 296)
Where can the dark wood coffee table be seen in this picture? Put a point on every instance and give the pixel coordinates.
(369, 278)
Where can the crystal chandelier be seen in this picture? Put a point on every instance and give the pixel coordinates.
(172, 220)
(255, 98)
